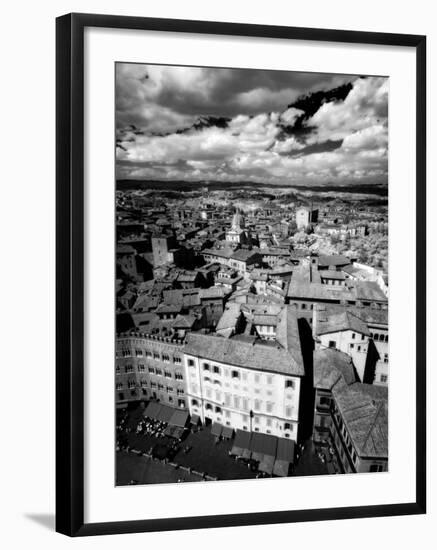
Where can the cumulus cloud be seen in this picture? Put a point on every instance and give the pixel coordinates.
(193, 123)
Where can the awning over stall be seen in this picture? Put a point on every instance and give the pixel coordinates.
(262, 444)
(241, 446)
(174, 431)
(284, 457)
(227, 432)
(165, 413)
(266, 464)
(216, 429)
(195, 419)
(179, 418)
(152, 409)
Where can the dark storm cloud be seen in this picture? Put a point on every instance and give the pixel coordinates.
(217, 92)
(309, 104)
(323, 147)
(224, 98)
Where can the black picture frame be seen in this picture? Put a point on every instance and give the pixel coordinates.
(70, 273)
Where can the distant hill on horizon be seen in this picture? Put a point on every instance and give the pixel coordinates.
(380, 189)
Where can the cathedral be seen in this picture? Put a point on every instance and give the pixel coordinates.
(238, 233)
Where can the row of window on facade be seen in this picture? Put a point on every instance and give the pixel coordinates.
(377, 337)
(345, 435)
(236, 374)
(145, 384)
(164, 357)
(127, 369)
(244, 404)
(134, 395)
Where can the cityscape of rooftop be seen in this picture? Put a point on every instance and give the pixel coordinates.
(251, 274)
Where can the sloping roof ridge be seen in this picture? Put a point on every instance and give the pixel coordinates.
(372, 425)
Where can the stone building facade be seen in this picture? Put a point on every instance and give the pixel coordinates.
(150, 367)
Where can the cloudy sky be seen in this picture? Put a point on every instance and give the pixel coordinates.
(279, 127)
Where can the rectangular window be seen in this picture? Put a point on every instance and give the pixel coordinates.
(148, 353)
(166, 358)
(353, 336)
(289, 384)
(385, 357)
(331, 343)
(191, 362)
(151, 370)
(206, 366)
(217, 370)
(156, 356)
(159, 372)
(177, 360)
(167, 374)
(235, 374)
(383, 378)
(178, 376)
(139, 352)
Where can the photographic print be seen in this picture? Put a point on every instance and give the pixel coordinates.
(251, 283)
